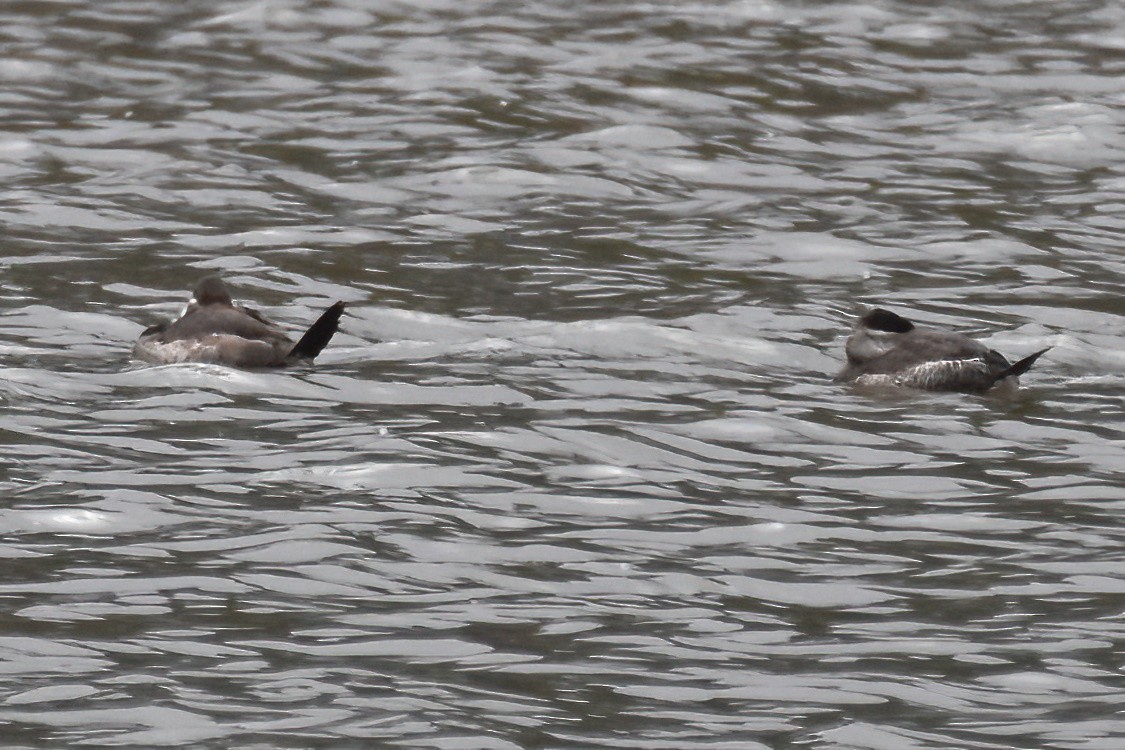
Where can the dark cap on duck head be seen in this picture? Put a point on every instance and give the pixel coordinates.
(210, 291)
(885, 320)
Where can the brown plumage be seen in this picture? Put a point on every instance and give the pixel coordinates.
(214, 329)
(887, 349)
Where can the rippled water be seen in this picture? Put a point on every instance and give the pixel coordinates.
(573, 474)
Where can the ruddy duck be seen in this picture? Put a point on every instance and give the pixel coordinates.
(887, 349)
(213, 329)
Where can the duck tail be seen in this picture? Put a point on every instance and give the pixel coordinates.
(1019, 368)
(319, 334)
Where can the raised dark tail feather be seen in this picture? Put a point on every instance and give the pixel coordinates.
(319, 334)
(1019, 368)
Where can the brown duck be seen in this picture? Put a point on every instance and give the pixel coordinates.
(887, 349)
(214, 329)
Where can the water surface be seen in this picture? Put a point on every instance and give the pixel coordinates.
(574, 473)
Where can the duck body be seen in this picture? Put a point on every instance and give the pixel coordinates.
(886, 349)
(214, 329)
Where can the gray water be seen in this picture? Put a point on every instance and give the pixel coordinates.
(573, 474)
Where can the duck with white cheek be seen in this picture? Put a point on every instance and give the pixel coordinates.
(886, 349)
(214, 329)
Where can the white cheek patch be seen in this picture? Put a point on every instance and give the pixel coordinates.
(192, 304)
(867, 345)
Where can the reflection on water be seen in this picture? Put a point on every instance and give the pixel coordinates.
(573, 474)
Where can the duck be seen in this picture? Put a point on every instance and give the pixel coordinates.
(214, 329)
(886, 349)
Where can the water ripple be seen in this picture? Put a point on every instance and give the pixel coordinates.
(573, 473)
